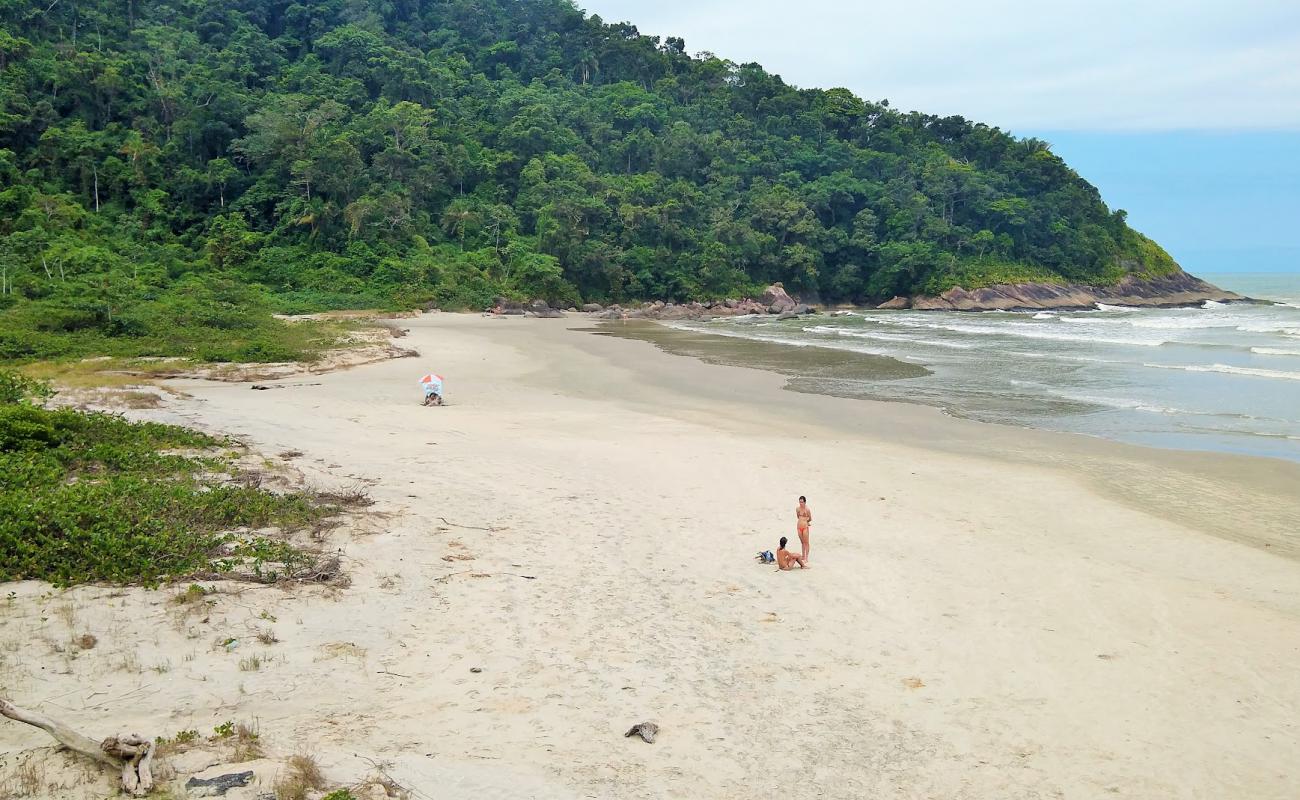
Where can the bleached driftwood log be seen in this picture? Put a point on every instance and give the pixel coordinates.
(131, 753)
(136, 754)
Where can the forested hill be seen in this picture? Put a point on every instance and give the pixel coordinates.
(351, 152)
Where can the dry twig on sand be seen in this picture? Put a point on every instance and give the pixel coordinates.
(477, 574)
(131, 753)
(490, 529)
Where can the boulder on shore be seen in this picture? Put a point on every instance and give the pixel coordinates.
(591, 308)
(540, 308)
(776, 299)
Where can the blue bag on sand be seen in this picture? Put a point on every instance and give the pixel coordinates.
(766, 556)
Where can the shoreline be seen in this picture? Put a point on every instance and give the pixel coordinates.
(1265, 490)
(988, 615)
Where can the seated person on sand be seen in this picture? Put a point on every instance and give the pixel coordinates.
(785, 559)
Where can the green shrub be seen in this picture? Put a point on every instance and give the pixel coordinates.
(977, 275)
(93, 497)
(16, 387)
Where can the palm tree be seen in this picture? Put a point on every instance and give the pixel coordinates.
(1036, 145)
(457, 218)
(139, 151)
(588, 64)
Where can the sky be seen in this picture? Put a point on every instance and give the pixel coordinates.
(1185, 114)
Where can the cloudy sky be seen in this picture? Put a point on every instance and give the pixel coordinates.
(1187, 114)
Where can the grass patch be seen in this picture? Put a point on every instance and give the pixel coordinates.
(301, 775)
(192, 594)
(89, 497)
(124, 368)
(98, 373)
(176, 744)
(243, 737)
(248, 743)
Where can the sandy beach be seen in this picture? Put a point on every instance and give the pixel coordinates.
(566, 549)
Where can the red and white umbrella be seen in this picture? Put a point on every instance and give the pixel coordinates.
(432, 381)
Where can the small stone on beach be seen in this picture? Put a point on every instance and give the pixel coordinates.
(646, 730)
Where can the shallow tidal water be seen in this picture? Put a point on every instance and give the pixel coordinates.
(1221, 377)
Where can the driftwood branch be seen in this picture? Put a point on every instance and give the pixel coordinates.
(66, 736)
(490, 529)
(478, 574)
(131, 753)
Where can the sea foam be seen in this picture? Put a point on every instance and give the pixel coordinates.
(1228, 369)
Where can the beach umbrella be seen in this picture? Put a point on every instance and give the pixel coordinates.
(431, 381)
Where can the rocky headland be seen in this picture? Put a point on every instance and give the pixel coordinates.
(1170, 291)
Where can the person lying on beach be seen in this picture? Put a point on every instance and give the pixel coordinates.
(784, 558)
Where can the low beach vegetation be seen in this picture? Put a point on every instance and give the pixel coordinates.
(92, 497)
(201, 320)
(301, 775)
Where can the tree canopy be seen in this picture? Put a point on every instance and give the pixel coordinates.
(312, 154)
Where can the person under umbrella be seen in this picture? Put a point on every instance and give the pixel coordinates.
(432, 386)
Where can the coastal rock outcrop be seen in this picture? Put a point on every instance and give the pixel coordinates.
(688, 311)
(1175, 290)
(776, 299)
(1179, 289)
(540, 308)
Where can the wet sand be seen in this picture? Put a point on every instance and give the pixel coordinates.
(1247, 499)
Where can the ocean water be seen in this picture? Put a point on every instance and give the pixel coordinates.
(1222, 377)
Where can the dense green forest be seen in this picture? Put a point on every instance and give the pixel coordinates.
(172, 172)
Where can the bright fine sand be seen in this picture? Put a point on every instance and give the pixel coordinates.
(991, 612)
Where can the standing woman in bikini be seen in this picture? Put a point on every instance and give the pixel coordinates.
(803, 517)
